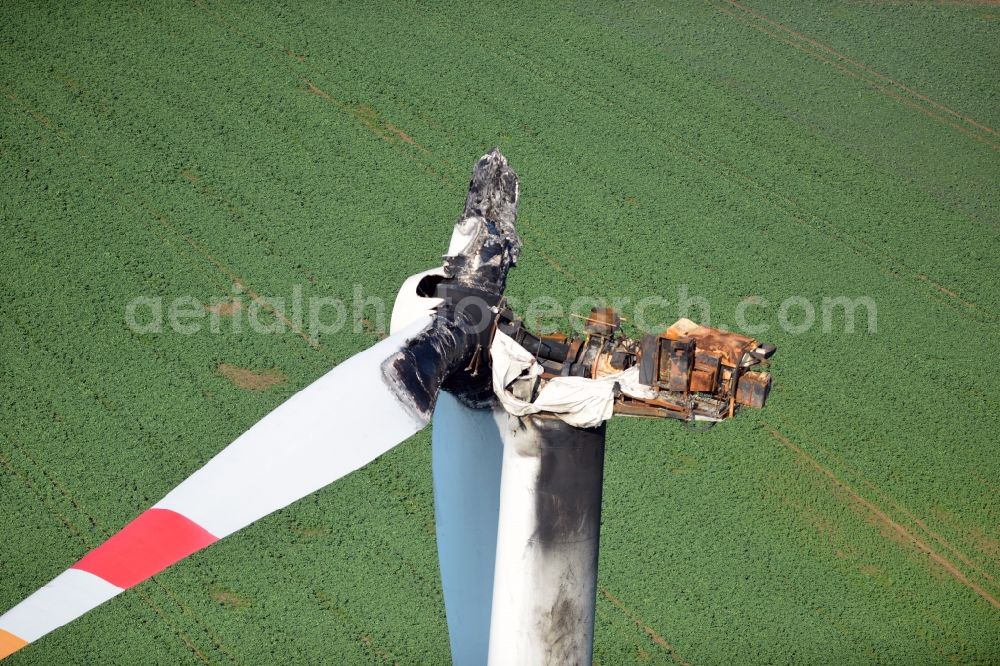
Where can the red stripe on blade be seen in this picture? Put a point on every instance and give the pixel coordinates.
(144, 547)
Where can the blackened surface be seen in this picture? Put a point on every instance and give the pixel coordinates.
(489, 217)
(417, 371)
(568, 500)
(544, 349)
(471, 381)
(561, 629)
(427, 286)
(473, 390)
(452, 352)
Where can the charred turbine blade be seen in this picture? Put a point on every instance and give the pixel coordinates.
(416, 372)
(489, 241)
(484, 246)
(493, 193)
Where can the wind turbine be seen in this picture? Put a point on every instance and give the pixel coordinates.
(518, 447)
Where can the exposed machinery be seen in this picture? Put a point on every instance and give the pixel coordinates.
(690, 372)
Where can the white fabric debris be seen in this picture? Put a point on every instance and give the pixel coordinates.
(629, 382)
(579, 401)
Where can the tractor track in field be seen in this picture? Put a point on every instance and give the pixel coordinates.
(643, 626)
(935, 191)
(856, 75)
(878, 80)
(905, 535)
(888, 264)
(751, 93)
(398, 139)
(963, 557)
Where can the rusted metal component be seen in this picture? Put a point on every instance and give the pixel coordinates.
(705, 376)
(648, 349)
(604, 365)
(603, 321)
(638, 408)
(753, 389)
(688, 372)
(729, 347)
(558, 338)
(679, 365)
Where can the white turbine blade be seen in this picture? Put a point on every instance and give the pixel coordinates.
(339, 423)
(466, 461)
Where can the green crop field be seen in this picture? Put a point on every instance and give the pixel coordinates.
(740, 152)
